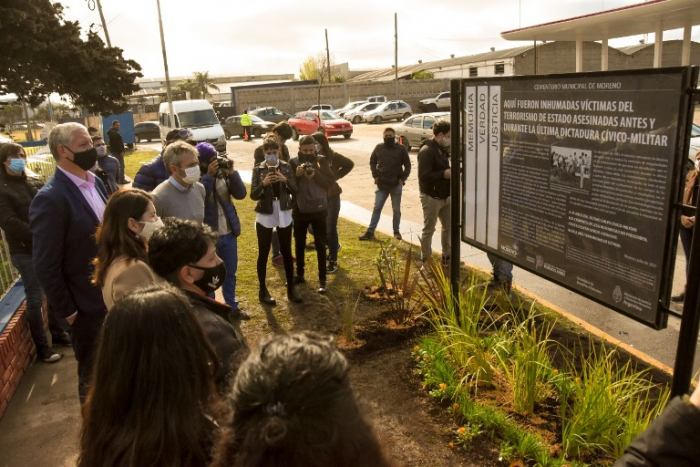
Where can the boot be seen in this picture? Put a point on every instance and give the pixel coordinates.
(292, 295)
(265, 297)
(679, 298)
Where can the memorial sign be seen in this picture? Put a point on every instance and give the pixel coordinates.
(574, 177)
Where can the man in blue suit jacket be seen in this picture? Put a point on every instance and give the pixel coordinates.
(63, 218)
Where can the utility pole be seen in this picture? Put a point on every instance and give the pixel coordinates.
(104, 23)
(165, 64)
(396, 57)
(328, 58)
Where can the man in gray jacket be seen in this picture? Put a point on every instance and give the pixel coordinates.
(390, 168)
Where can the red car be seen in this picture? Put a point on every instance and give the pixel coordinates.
(306, 123)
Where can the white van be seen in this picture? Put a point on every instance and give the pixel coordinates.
(197, 116)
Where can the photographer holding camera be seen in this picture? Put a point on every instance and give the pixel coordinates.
(314, 179)
(221, 182)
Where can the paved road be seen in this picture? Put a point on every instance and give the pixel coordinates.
(358, 189)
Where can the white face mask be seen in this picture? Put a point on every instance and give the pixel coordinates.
(149, 228)
(101, 151)
(192, 175)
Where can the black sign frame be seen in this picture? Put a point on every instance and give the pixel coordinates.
(682, 118)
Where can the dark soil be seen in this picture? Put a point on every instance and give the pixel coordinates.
(414, 428)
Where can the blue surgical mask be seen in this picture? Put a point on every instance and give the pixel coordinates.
(272, 159)
(18, 165)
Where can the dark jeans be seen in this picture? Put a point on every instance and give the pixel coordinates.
(264, 243)
(120, 173)
(502, 269)
(86, 333)
(332, 227)
(227, 249)
(686, 238)
(34, 296)
(318, 223)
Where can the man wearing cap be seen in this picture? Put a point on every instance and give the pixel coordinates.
(116, 148)
(220, 184)
(153, 173)
(181, 195)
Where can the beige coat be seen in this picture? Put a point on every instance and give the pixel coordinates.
(124, 276)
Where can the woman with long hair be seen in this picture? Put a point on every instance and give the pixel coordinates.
(272, 186)
(340, 166)
(292, 404)
(121, 264)
(152, 398)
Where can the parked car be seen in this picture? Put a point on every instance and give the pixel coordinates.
(376, 99)
(392, 110)
(270, 114)
(322, 107)
(232, 126)
(146, 131)
(355, 115)
(306, 123)
(439, 102)
(350, 105)
(418, 128)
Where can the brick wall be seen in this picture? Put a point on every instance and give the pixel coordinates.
(16, 353)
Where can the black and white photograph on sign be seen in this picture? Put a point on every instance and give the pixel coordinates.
(572, 177)
(571, 167)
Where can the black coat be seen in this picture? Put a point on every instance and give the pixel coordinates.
(390, 165)
(16, 194)
(224, 334)
(670, 440)
(264, 194)
(432, 163)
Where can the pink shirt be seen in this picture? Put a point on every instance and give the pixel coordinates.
(87, 188)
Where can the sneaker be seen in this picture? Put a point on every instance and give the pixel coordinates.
(63, 340)
(332, 267)
(310, 246)
(367, 236)
(397, 236)
(278, 261)
(47, 355)
(322, 287)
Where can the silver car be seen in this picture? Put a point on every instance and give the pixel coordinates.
(392, 110)
(355, 115)
(414, 130)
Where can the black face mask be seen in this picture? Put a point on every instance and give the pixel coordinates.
(212, 278)
(84, 159)
(389, 141)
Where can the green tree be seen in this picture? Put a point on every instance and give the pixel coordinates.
(41, 113)
(422, 75)
(203, 82)
(316, 68)
(188, 85)
(43, 53)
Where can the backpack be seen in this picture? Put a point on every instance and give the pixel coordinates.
(311, 198)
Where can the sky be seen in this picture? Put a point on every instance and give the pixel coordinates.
(234, 37)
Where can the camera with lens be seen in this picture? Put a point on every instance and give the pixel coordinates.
(224, 162)
(308, 168)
